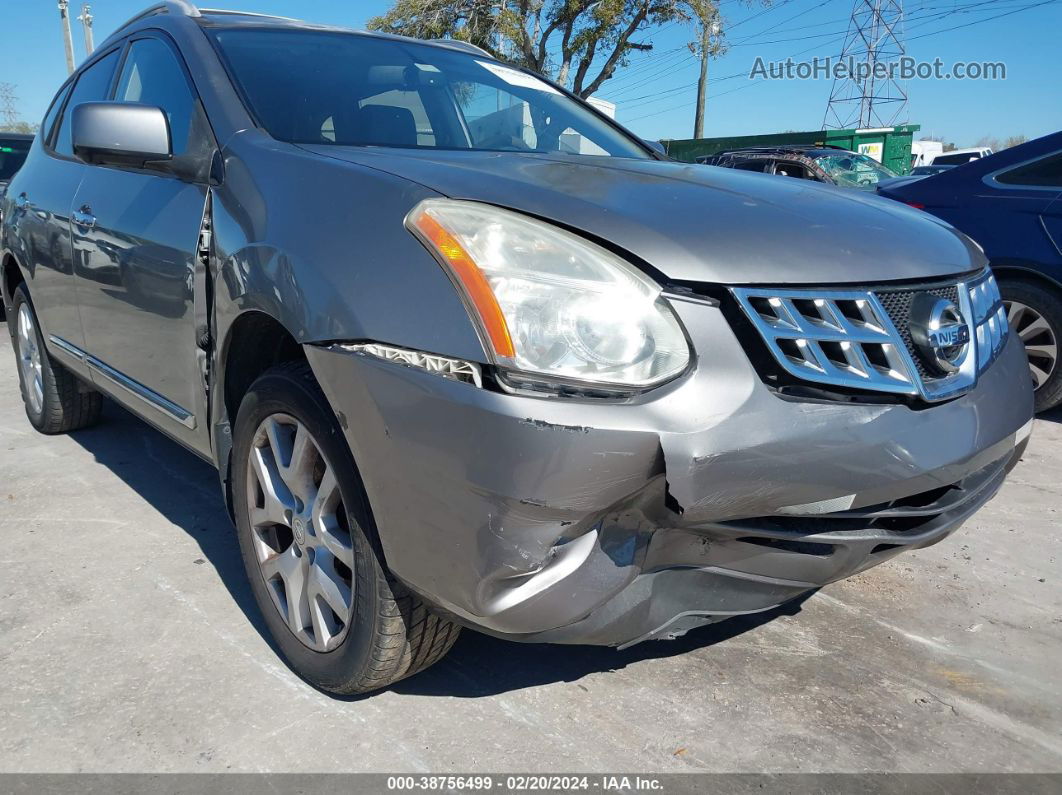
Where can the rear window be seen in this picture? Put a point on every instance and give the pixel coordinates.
(1043, 173)
(13, 153)
(324, 87)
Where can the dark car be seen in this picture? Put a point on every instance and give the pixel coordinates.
(13, 150)
(467, 352)
(1011, 204)
(829, 164)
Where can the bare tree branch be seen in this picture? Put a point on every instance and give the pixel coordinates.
(589, 30)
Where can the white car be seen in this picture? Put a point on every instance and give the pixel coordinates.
(957, 157)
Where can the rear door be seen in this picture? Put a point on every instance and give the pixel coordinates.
(1043, 176)
(137, 232)
(1013, 212)
(1052, 220)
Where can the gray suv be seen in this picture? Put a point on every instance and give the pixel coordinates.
(467, 352)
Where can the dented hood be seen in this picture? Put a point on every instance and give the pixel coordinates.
(697, 223)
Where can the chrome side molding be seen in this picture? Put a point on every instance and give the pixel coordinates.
(149, 396)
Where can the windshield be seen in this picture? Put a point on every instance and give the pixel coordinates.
(854, 171)
(321, 87)
(12, 156)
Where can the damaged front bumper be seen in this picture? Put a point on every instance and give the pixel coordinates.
(581, 521)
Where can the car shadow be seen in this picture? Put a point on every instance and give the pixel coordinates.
(179, 485)
(185, 490)
(480, 665)
(1054, 415)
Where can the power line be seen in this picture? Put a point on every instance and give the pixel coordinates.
(986, 19)
(691, 57)
(658, 96)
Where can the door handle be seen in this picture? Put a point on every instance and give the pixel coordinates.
(84, 217)
(22, 201)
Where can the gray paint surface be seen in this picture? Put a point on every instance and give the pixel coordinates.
(692, 222)
(942, 660)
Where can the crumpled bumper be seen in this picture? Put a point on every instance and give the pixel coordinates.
(608, 523)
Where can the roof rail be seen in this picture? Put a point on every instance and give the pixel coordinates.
(181, 7)
(178, 7)
(457, 44)
(230, 12)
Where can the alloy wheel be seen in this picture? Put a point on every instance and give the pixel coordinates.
(1041, 344)
(300, 532)
(29, 359)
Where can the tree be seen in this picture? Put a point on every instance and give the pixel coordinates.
(1014, 140)
(990, 142)
(20, 127)
(580, 43)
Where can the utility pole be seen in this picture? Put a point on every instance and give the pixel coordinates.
(709, 31)
(868, 96)
(85, 18)
(67, 39)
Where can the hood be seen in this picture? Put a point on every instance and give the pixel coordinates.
(693, 222)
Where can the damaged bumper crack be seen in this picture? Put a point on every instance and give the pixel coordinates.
(577, 521)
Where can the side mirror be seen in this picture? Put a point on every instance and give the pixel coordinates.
(120, 133)
(656, 146)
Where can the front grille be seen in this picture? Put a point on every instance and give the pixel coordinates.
(861, 338)
(897, 305)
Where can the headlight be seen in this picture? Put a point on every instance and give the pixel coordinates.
(551, 303)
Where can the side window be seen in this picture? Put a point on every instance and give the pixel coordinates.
(53, 112)
(394, 117)
(496, 119)
(1043, 173)
(752, 165)
(499, 119)
(152, 76)
(92, 86)
(784, 168)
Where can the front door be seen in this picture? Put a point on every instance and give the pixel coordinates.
(135, 240)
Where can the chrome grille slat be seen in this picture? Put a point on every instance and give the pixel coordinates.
(860, 338)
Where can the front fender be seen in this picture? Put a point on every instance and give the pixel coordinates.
(320, 246)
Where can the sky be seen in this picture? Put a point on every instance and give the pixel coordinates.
(655, 93)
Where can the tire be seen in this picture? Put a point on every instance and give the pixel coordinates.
(56, 401)
(345, 624)
(1035, 314)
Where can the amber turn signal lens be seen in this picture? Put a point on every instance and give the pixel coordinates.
(471, 278)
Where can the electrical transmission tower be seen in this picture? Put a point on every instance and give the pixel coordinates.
(8, 114)
(867, 96)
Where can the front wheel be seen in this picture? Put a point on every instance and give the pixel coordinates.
(310, 547)
(1034, 313)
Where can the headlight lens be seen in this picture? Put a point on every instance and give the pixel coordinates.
(550, 302)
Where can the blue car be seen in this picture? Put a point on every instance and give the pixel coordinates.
(1011, 204)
